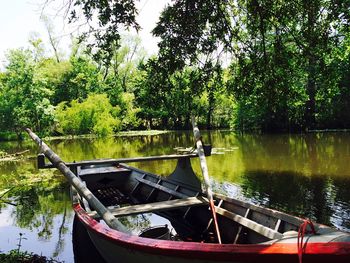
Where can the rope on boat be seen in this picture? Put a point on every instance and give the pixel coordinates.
(301, 234)
(205, 173)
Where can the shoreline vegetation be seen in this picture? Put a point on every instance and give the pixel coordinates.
(118, 134)
(14, 137)
(7, 157)
(25, 257)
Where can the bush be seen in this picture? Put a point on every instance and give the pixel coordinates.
(18, 256)
(94, 115)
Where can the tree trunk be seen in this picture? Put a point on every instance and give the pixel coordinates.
(211, 101)
(310, 119)
(310, 109)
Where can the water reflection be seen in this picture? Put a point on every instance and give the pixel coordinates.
(307, 175)
(308, 154)
(43, 215)
(290, 192)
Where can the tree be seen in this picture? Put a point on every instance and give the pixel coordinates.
(54, 41)
(195, 33)
(24, 102)
(79, 79)
(168, 100)
(264, 68)
(149, 92)
(281, 62)
(112, 16)
(126, 59)
(288, 60)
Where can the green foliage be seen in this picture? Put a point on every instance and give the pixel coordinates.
(112, 17)
(128, 112)
(19, 256)
(93, 115)
(190, 28)
(334, 95)
(80, 78)
(24, 102)
(259, 65)
(2, 154)
(125, 60)
(223, 115)
(149, 92)
(282, 78)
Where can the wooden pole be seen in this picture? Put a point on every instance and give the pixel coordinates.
(205, 173)
(122, 160)
(78, 184)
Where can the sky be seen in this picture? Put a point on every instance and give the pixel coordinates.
(19, 19)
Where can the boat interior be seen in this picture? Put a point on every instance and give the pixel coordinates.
(127, 191)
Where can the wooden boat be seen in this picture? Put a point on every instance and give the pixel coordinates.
(106, 192)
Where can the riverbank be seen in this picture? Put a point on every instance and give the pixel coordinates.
(119, 134)
(13, 137)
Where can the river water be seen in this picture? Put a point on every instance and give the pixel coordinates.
(306, 175)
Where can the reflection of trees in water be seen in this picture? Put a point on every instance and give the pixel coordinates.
(37, 208)
(341, 195)
(304, 175)
(61, 231)
(136, 223)
(311, 154)
(118, 147)
(27, 207)
(316, 197)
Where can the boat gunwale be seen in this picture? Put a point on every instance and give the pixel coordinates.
(214, 251)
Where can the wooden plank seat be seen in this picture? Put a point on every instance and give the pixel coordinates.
(190, 201)
(243, 221)
(154, 207)
(265, 211)
(162, 188)
(186, 201)
(256, 227)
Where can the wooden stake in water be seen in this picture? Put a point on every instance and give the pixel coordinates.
(205, 173)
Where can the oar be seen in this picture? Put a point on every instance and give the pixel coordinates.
(75, 181)
(205, 173)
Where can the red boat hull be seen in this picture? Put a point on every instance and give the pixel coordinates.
(116, 246)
